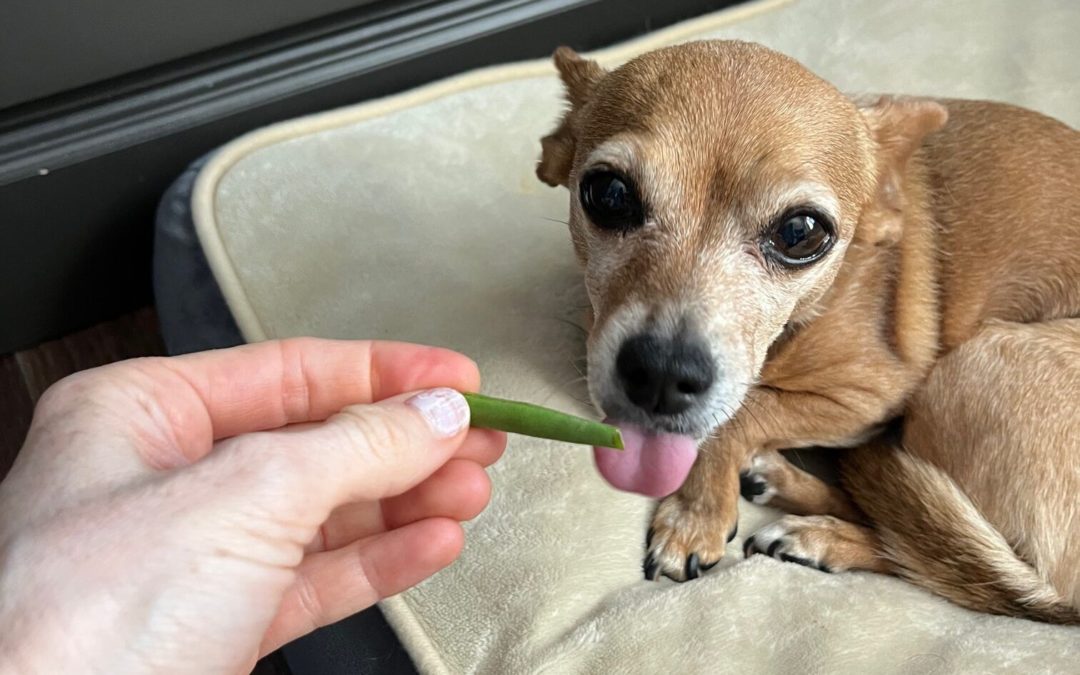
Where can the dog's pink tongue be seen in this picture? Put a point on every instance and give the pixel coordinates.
(654, 465)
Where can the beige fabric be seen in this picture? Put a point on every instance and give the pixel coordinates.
(418, 218)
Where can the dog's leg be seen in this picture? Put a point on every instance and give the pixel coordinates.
(838, 402)
(811, 392)
(691, 528)
(980, 504)
(771, 480)
(822, 542)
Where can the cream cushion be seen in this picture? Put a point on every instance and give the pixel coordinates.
(418, 218)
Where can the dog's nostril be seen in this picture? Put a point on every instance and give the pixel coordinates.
(637, 376)
(661, 376)
(691, 387)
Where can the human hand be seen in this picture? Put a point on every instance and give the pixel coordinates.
(195, 513)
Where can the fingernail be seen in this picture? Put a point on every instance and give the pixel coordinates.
(445, 410)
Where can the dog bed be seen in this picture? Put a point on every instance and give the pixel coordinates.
(418, 218)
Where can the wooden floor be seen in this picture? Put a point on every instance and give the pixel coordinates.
(26, 374)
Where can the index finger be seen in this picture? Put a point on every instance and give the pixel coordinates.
(223, 393)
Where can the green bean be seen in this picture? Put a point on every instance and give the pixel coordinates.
(533, 420)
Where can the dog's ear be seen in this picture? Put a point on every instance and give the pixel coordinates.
(580, 77)
(899, 126)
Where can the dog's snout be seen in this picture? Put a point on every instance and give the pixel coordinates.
(664, 376)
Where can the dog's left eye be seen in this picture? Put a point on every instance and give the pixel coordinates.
(799, 238)
(611, 201)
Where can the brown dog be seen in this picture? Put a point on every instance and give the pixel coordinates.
(772, 264)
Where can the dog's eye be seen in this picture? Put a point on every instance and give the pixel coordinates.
(799, 238)
(611, 201)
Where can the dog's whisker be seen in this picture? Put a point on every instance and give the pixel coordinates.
(572, 324)
(748, 406)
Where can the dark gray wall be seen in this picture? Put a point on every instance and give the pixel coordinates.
(49, 46)
(80, 175)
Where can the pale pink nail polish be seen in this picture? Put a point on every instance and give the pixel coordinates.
(445, 410)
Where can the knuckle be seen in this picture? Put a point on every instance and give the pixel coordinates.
(310, 603)
(370, 432)
(95, 385)
(296, 390)
(74, 407)
(68, 391)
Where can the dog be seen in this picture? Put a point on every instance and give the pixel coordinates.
(772, 264)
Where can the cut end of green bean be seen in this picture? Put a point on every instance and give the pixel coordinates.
(532, 420)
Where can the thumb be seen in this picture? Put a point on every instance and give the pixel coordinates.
(369, 452)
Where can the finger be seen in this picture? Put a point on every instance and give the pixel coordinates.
(212, 395)
(364, 453)
(459, 490)
(333, 585)
(269, 385)
(483, 446)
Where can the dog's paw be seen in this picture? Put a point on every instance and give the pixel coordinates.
(687, 538)
(812, 541)
(758, 482)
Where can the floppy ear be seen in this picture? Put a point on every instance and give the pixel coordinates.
(899, 126)
(580, 77)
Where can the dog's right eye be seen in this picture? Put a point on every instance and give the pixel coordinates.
(611, 201)
(799, 238)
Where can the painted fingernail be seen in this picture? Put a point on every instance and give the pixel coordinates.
(445, 410)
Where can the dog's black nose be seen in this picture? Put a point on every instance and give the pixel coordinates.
(664, 376)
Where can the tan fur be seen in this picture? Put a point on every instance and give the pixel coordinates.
(947, 301)
(827, 542)
(795, 491)
(699, 518)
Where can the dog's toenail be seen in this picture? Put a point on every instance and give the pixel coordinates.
(731, 535)
(693, 566)
(797, 560)
(748, 546)
(649, 536)
(772, 548)
(705, 567)
(825, 568)
(650, 568)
